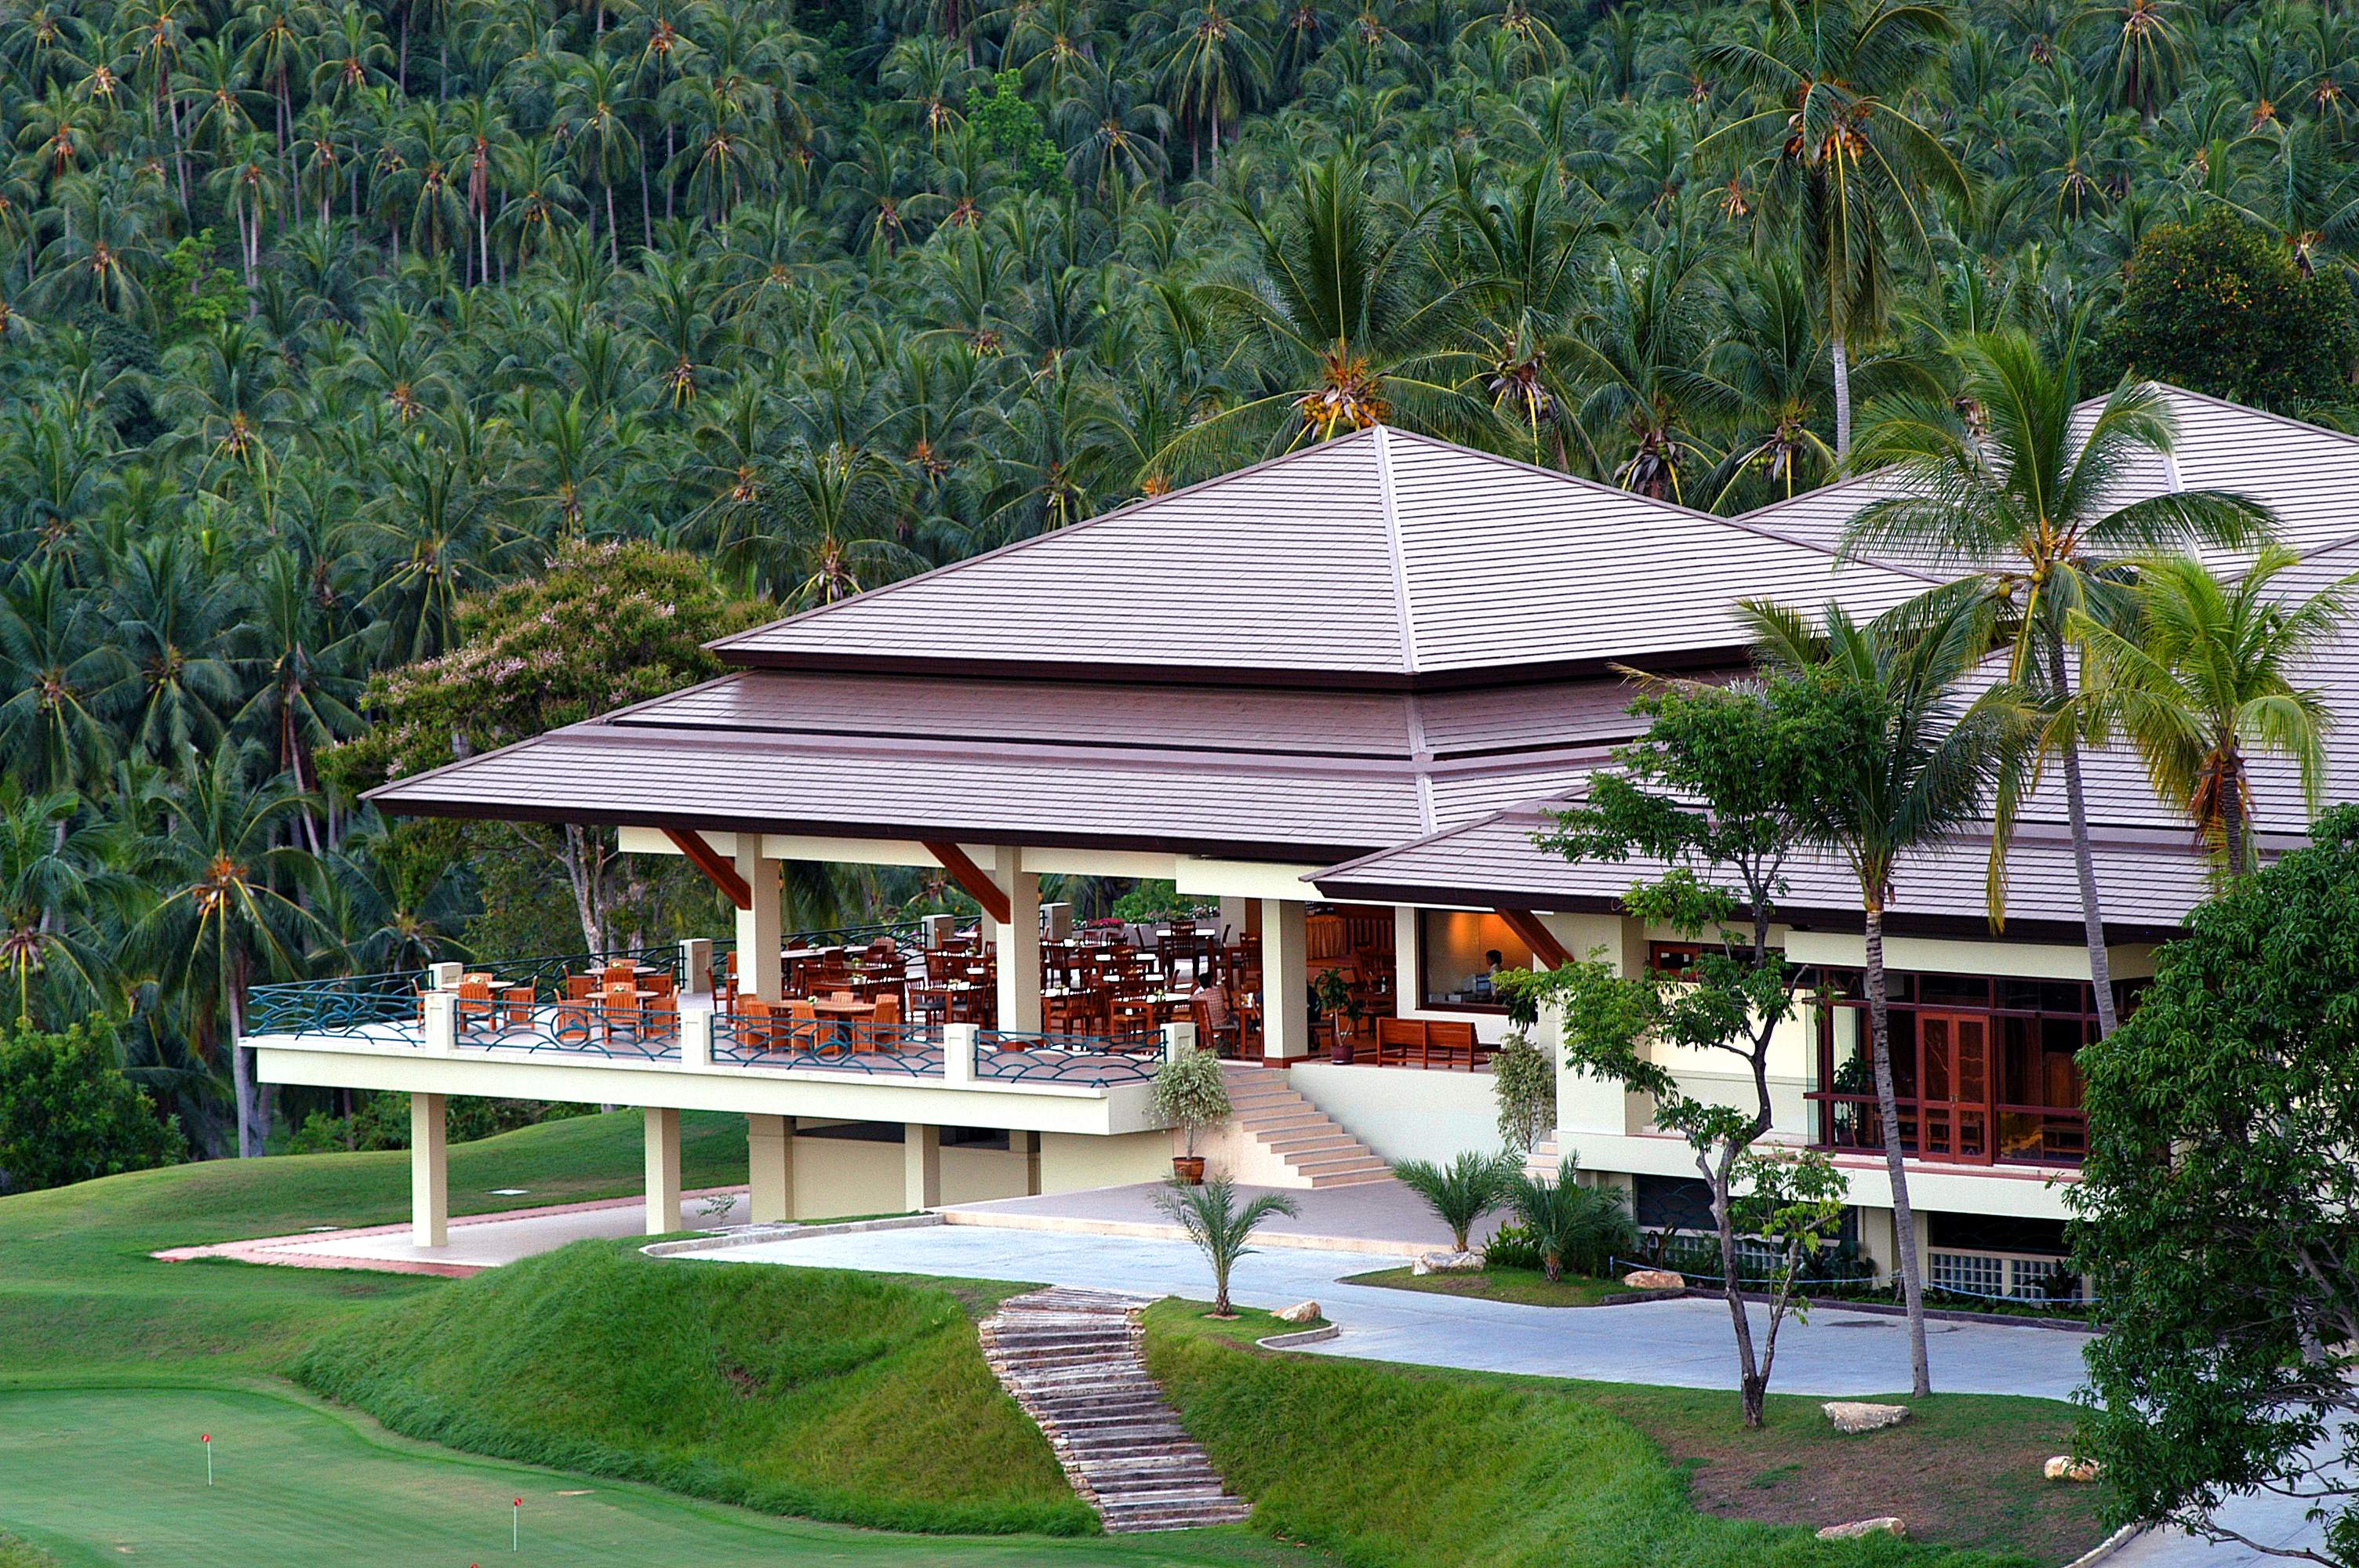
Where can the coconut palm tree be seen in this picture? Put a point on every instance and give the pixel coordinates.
(1930, 763)
(1849, 171)
(2012, 482)
(2204, 674)
(226, 913)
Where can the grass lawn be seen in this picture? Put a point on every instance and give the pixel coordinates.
(858, 1397)
(16, 1553)
(1413, 1467)
(111, 1476)
(1529, 1286)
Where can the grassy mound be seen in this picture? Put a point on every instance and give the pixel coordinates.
(80, 1296)
(15, 1553)
(1396, 1467)
(852, 1397)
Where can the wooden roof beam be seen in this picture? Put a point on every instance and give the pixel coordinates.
(708, 859)
(1536, 937)
(974, 878)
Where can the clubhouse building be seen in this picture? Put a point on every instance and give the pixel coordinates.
(1331, 696)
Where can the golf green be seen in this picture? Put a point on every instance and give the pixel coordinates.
(118, 1476)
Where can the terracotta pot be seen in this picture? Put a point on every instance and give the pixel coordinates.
(1188, 1169)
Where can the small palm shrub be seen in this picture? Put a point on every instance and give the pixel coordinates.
(1220, 1228)
(1460, 1193)
(1571, 1225)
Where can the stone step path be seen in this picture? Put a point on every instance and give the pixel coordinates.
(1071, 1359)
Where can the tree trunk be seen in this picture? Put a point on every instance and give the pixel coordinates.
(241, 1073)
(2084, 864)
(1887, 1104)
(2232, 801)
(1752, 1387)
(1843, 399)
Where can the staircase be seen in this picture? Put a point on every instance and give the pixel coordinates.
(1543, 1160)
(1071, 1359)
(1283, 1140)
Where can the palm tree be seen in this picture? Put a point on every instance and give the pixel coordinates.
(1575, 1227)
(1460, 1193)
(1850, 167)
(51, 873)
(223, 915)
(2024, 490)
(1930, 761)
(2206, 671)
(1221, 1231)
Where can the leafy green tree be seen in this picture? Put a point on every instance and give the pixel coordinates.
(2215, 1208)
(68, 1114)
(1012, 127)
(1925, 763)
(608, 624)
(2213, 304)
(1712, 801)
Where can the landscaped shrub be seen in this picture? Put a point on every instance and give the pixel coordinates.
(383, 1122)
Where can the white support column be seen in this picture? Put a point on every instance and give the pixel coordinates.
(770, 1168)
(429, 1171)
(759, 936)
(921, 1167)
(1019, 945)
(663, 1170)
(1028, 1145)
(1233, 919)
(1285, 980)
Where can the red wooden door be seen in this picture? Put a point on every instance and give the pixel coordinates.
(1954, 1087)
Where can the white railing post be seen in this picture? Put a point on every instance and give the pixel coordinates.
(958, 1054)
(696, 966)
(695, 1036)
(1177, 1038)
(441, 1034)
(444, 977)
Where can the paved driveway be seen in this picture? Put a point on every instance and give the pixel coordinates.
(1685, 1342)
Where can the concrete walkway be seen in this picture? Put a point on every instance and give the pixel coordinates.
(1384, 1219)
(1684, 1343)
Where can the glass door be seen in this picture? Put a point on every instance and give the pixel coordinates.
(1954, 1087)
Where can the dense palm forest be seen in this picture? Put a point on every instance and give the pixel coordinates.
(325, 325)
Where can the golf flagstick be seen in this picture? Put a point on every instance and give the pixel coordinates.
(207, 1439)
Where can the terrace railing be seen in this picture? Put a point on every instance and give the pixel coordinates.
(856, 1045)
(350, 1004)
(1096, 1060)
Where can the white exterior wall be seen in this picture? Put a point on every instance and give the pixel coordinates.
(1404, 1113)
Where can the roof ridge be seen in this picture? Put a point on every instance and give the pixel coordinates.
(1679, 509)
(868, 596)
(1404, 613)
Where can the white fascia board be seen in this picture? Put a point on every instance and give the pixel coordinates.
(908, 852)
(2014, 1191)
(842, 1096)
(1944, 956)
(1245, 879)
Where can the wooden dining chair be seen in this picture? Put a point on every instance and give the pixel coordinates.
(474, 1005)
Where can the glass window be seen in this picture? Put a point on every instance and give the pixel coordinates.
(1458, 951)
(1953, 991)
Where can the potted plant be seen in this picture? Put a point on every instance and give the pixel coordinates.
(1191, 1094)
(1333, 996)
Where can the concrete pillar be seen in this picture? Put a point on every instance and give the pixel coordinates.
(759, 936)
(1019, 945)
(1232, 918)
(663, 1170)
(921, 1167)
(1876, 1239)
(1285, 980)
(429, 1171)
(770, 1168)
(1028, 1145)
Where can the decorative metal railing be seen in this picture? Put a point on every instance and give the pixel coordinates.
(351, 1004)
(574, 1028)
(1009, 1056)
(850, 1045)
